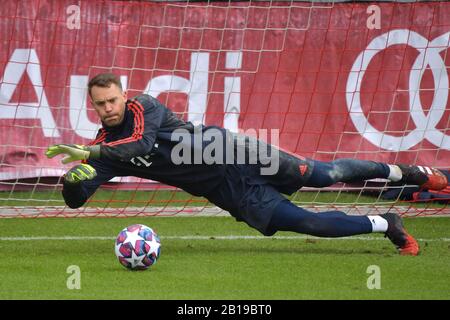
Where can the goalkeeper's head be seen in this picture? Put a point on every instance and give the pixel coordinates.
(108, 98)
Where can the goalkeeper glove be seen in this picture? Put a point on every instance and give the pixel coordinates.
(74, 152)
(80, 173)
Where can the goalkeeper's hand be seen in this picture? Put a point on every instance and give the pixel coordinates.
(80, 173)
(74, 152)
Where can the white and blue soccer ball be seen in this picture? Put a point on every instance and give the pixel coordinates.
(137, 247)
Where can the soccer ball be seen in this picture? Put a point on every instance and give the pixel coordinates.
(137, 247)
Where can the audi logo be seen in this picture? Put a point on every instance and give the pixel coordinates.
(425, 123)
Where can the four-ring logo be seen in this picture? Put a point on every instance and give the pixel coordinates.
(425, 124)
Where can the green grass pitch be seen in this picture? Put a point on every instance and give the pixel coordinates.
(218, 258)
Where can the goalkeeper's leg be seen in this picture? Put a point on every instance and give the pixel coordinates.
(326, 174)
(289, 217)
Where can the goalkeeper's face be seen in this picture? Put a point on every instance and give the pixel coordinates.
(109, 103)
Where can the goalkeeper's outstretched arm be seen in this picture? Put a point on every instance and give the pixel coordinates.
(80, 182)
(74, 195)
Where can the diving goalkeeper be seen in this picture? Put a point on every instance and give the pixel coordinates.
(141, 137)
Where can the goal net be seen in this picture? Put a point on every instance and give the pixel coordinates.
(331, 79)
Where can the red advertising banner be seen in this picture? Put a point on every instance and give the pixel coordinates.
(358, 80)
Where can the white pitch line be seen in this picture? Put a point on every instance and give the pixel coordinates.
(212, 237)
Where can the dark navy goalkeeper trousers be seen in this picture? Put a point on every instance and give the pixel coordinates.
(258, 200)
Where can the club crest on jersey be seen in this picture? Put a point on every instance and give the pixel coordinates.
(141, 161)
